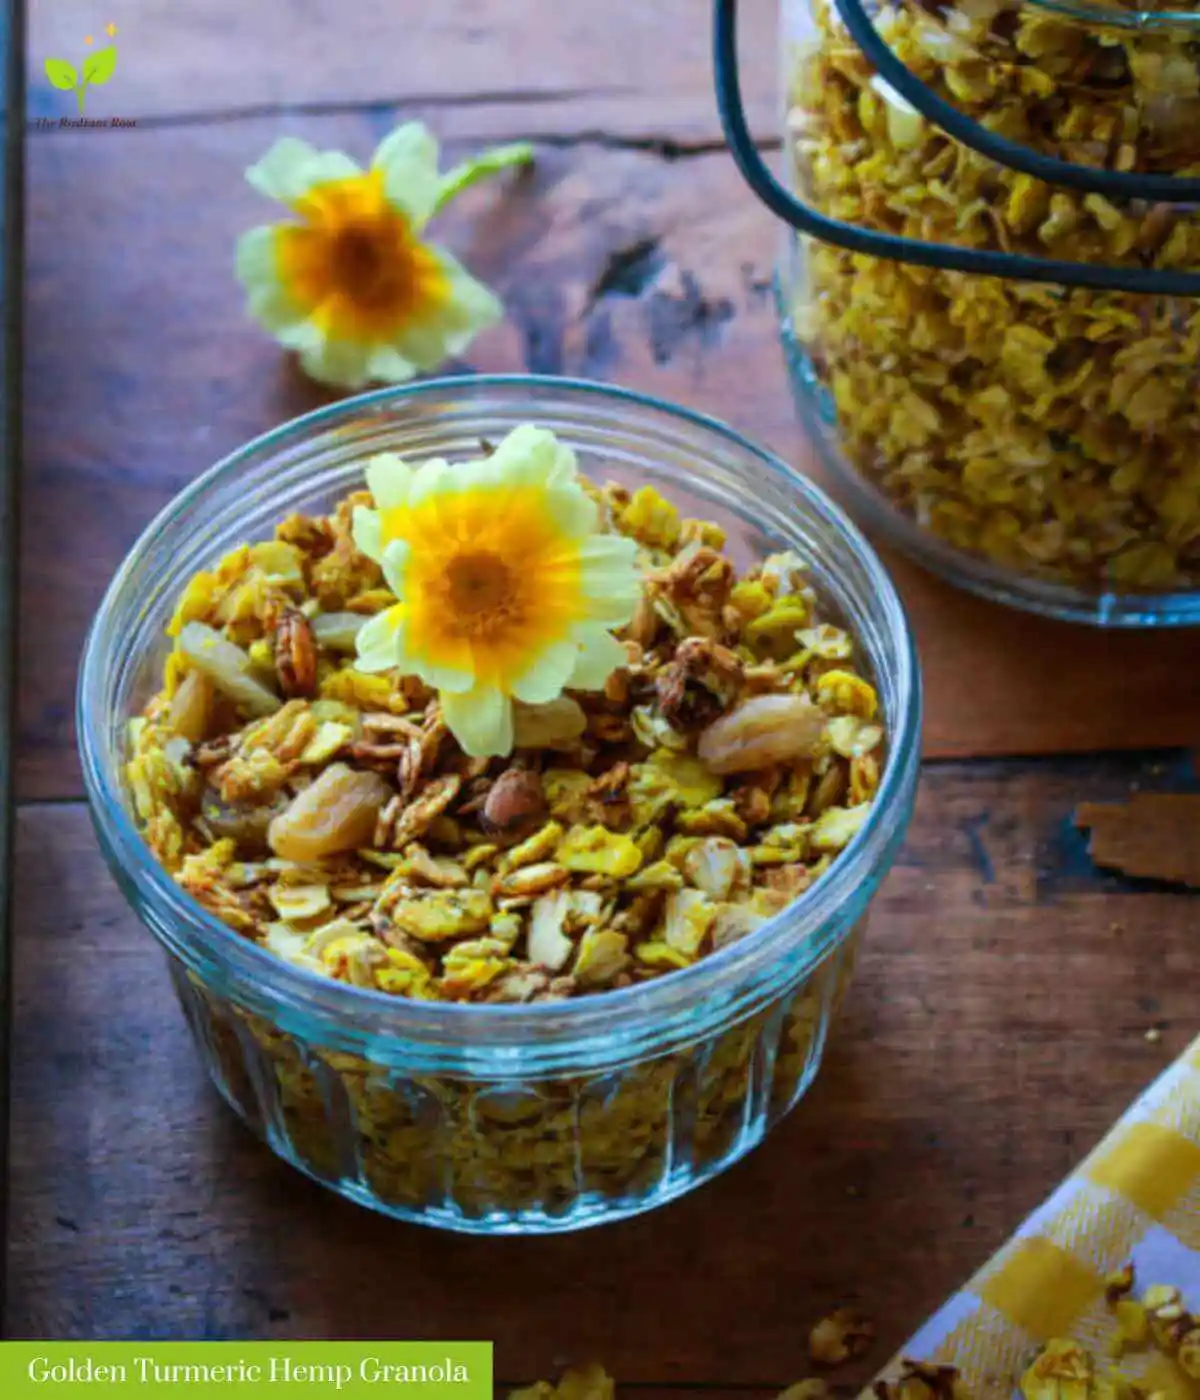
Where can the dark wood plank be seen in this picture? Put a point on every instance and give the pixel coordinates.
(624, 69)
(996, 1029)
(12, 103)
(143, 371)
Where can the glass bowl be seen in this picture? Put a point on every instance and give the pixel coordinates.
(496, 1118)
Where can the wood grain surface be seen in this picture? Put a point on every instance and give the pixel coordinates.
(615, 264)
(995, 1030)
(12, 167)
(997, 1026)
(624, 70)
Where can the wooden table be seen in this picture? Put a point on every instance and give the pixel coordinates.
(998, 1023)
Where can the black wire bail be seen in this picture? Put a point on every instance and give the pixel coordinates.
(968, 132)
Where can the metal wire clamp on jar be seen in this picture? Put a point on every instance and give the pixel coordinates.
(988, 304)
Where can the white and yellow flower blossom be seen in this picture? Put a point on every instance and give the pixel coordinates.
(350, 284)
(506, 591)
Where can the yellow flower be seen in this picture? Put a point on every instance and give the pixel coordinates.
(506, 591)
(350, 284)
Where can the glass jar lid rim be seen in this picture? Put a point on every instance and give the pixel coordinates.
(1115, 16)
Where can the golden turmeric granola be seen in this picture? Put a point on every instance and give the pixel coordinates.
(330, 816)
(1054, 431)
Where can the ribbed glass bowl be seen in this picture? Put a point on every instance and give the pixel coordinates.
(493, 1118)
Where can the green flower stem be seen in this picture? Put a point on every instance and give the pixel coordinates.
(491, 162)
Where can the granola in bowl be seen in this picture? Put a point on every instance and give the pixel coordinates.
(397, 923)
(328, 813)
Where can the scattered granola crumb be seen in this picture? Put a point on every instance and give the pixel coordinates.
(1119, 1283)
(921, 1380)
(590, 1382)
(1063, 1369)
(842, 1336)
(806, 1390)
(1153, 1035)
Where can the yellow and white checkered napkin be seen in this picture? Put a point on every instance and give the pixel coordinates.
(1136, 1197)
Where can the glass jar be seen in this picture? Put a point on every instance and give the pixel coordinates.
(988, 313)
(491, 1118)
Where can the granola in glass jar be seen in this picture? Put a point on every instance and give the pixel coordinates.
(1052, 430)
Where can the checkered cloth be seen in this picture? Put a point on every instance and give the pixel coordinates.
(1136, 1197)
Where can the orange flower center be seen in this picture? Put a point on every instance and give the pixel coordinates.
(491, 580)
(354, 264)
(481, 591)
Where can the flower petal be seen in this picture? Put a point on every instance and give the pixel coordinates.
(303, 336)
(433, 477)
(292, 167)
(367, 531)
(256, 260)
(408, 158)
(341, 363)
(281, 173)
(257, 267)
(395, 561)
(470, 308)
(599, 655)
(481, 720)
(446, 326)
(389, 478)
(609, 577)
(546, 675)
(573, 511)
(534, 455)
(444, 677)
(380, 640)
(389, 366)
